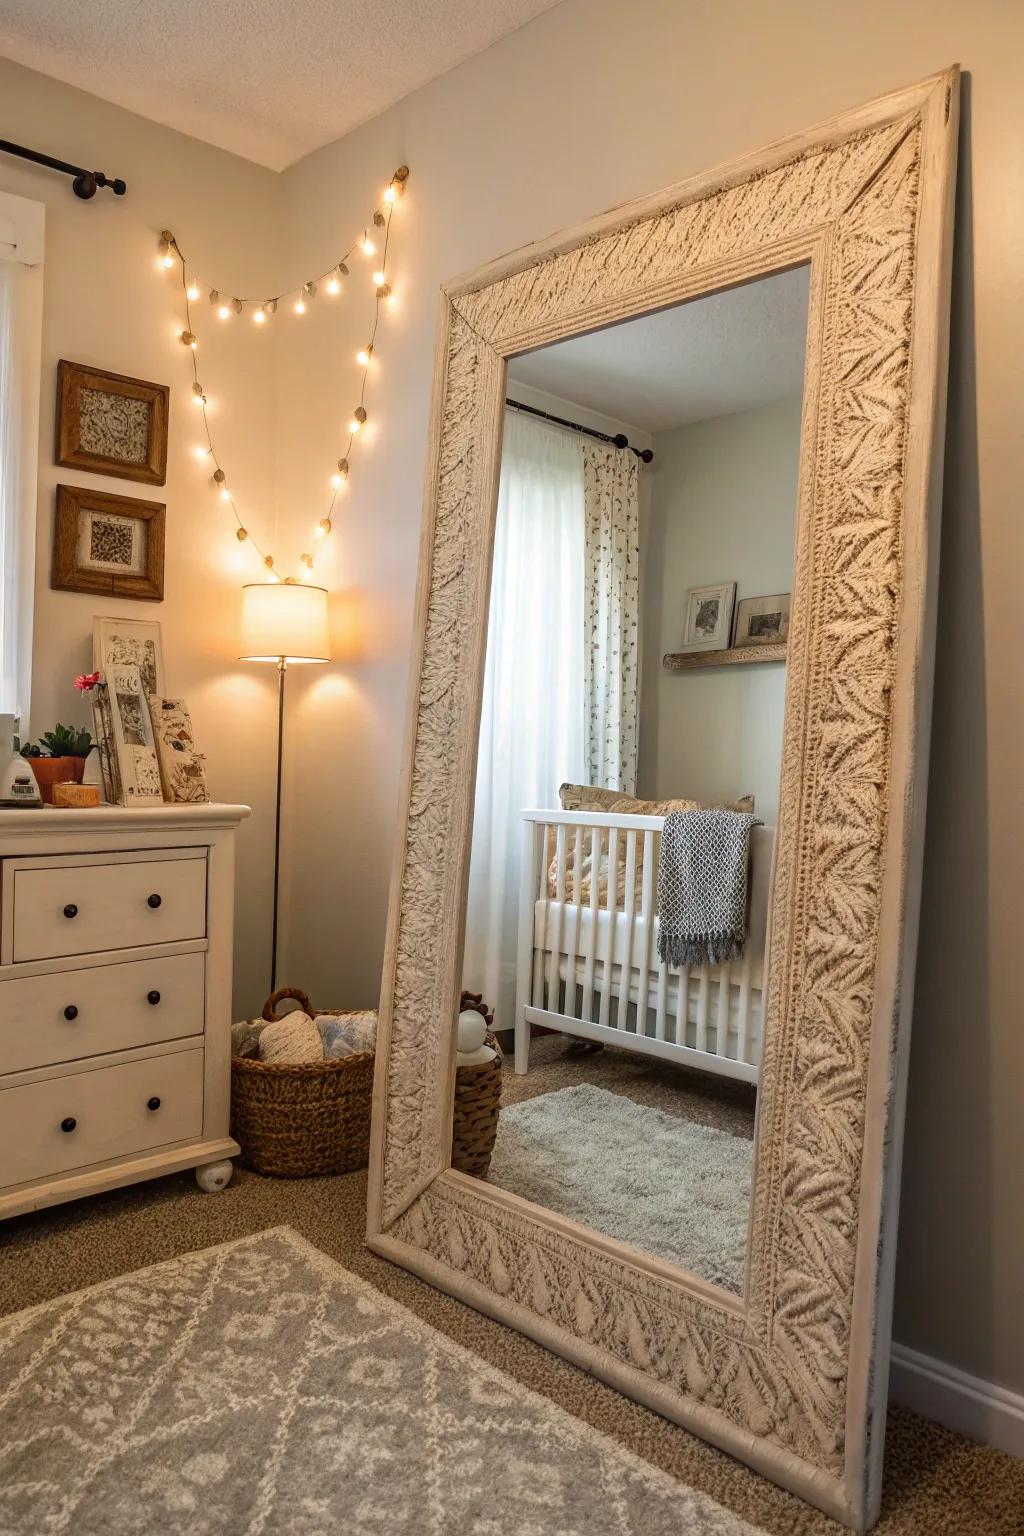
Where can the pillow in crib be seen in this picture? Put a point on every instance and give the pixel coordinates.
(590, 797)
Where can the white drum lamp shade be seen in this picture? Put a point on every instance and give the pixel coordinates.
(284, 620)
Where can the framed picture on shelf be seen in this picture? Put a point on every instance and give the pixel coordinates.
(120, 642)
(110, 545)
(762, 620)
(111, 424)
(708, 624)
(182, 767)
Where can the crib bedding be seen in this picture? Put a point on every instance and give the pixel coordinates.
(567, 926)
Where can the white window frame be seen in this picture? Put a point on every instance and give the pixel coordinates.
(22, 226)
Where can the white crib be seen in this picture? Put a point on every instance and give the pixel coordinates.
(591, 968)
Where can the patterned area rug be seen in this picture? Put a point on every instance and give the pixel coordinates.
(663, 1185)
(259, 1388)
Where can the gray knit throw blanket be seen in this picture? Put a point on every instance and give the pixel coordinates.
(702, 886)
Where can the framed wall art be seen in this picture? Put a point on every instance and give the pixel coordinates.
(112, 545)
(111, 424)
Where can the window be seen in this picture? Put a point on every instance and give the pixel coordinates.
(21, 288)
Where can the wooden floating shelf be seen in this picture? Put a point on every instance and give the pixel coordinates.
(737, 655)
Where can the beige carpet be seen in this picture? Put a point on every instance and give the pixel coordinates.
(937, 1484)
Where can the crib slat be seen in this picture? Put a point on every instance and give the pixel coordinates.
(571, 984)
(626, 974)
(646, 903)
(588, 974)
(743, 1019)
(612, 909)
(532, 845)
(702, 1010)
(722, 1018)
(555, 952)
(544, 897)
(682, 1004)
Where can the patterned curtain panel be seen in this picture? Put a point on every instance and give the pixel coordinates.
(611, 614)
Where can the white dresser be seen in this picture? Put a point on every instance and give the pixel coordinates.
(115, 998)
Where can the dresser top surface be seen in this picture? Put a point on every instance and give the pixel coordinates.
(19, 821)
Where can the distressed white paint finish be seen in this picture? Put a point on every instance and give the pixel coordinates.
(791, 1376)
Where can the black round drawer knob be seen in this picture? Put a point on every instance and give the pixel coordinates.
(68, 1125)
(70, 910)
(70, 1012)
(153, 997)
(153, 1103)
(153, 901)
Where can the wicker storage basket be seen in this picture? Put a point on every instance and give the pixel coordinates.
(295, 1121)
(477, 1103)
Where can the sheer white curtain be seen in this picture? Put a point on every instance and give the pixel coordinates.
(531, 727)
(9, 457)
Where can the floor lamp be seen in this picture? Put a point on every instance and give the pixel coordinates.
(282, 622)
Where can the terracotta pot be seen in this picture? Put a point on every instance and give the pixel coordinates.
(55, 770)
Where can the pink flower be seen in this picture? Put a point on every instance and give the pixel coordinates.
(86, 681)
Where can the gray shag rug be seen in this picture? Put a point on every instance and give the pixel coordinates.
(258, 1388)
(665, 1186)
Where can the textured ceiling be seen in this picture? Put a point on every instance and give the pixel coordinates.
(269, 81)
(729, 352)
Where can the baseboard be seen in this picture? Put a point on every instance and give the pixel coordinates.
(979, 1409)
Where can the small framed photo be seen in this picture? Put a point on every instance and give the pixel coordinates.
(133, 741)
(121, 642)
(709, 617)
(111, 424)
(763, 620)
(111, 545)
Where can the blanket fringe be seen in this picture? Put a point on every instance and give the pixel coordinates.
(710, 949)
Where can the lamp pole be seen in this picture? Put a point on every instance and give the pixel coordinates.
(282, 666)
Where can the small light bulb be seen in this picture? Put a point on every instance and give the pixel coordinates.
(378, 278)
(199, 451)
(390, 195)
(336, 482)
(225, 494)
(333, 284)
(168, 259)
(367, 246)
(322, 528)
(363, 357)
(224, 311)
(192, 291)
(259, 316)
(300, 305)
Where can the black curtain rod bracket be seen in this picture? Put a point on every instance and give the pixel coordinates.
(85, 183)
(620, 440)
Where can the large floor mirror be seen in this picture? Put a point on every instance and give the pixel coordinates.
(645, 1018)
(635, 668)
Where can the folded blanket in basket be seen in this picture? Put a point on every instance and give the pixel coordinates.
(702, 886)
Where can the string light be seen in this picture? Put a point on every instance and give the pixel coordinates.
(261, 309)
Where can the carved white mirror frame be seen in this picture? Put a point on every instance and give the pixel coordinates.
(792, 1376)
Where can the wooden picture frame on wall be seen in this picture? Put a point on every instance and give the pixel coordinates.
(111, 424)
(109, 545)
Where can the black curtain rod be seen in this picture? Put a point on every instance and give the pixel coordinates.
(85, 183)
(620, 440)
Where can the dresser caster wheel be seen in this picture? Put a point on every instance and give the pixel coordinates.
(214, 1176)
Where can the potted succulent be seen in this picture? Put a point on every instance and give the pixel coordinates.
(59, 758)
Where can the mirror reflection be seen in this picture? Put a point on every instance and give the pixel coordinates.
(628, 773)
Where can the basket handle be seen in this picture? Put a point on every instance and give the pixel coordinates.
(270, 1006)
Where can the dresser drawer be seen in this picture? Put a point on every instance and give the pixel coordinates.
(68, 1122)
(80, 909)
(74, 1013)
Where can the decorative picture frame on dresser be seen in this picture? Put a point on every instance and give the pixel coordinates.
(111, 424)
(119, 641)
(109, 545)
(790, 1376)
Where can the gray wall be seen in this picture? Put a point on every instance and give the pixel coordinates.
(723, 508)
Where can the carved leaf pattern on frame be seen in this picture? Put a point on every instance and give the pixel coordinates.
(780, 1372)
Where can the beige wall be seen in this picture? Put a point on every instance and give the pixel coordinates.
(585, 107)
(106, 303)
(723, 508)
